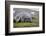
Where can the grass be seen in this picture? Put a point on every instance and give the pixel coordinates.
(34, 23)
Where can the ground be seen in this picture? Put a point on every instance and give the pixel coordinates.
(34, 23)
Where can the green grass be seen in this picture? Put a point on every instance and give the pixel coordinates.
(34, 23)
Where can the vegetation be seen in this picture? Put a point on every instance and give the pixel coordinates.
(34, 23)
